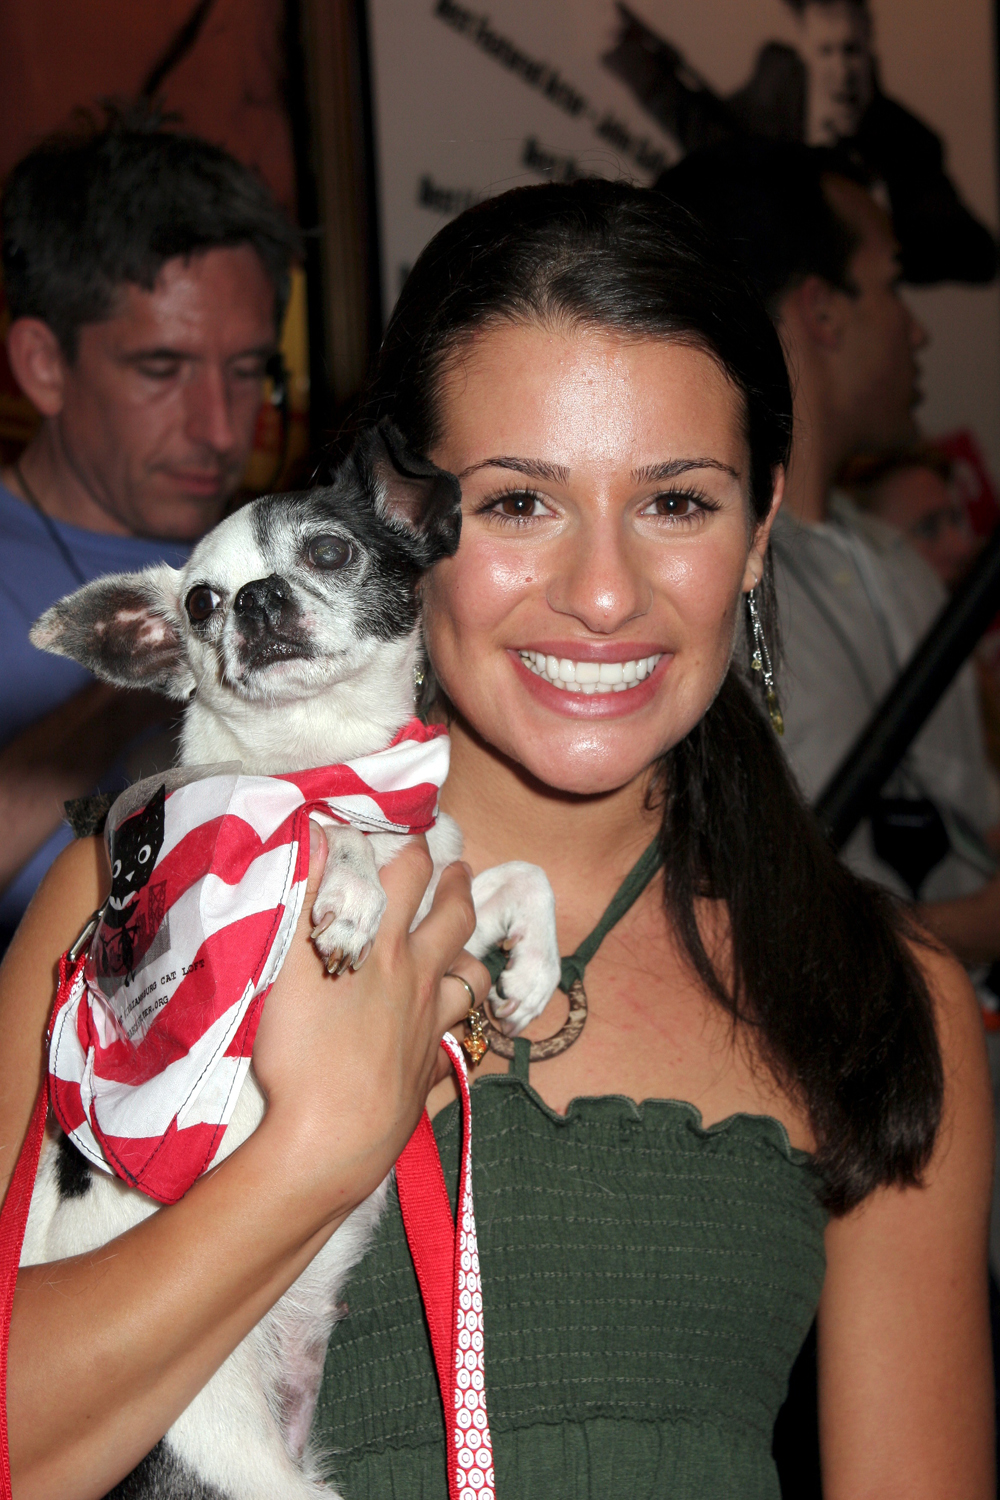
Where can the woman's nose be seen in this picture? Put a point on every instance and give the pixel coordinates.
(600, 584)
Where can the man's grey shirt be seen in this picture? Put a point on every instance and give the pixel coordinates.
(855, 600)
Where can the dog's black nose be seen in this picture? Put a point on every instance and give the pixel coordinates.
(264, 604)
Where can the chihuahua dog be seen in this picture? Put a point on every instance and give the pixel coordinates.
(293, 636)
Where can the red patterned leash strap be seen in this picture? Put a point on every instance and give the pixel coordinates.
(14, 1219)
(446, 1260)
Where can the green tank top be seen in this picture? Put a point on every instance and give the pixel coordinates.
(647, 1284)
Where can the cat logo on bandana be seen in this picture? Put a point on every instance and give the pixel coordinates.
(135, 909)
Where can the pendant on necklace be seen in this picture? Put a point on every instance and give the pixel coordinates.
(476, 1044)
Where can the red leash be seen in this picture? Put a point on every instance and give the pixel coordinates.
(446, 1260)
(445, 1257)
(14, 1219)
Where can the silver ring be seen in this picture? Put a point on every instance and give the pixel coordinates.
(473, 1002)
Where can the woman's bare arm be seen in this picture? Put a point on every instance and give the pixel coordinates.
(107, 1349)
(906, 1376)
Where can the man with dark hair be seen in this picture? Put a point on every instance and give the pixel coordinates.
(825, 91)
(146, 274)
(855, 598)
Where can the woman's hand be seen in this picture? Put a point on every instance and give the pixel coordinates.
(352, 1059)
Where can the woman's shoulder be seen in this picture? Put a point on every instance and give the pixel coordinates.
(71, 890)
(956, 1006)
(968, 1096)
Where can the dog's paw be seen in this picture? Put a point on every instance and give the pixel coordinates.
(346, 916)
(528, 982)
(515, 906)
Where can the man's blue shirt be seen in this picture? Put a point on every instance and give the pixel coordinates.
(33, 575)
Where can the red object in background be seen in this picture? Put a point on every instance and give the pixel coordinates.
(57, 56)
(972, 479)
(974, 486)
(977, 491)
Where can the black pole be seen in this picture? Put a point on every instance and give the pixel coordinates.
(376, 312)
(307, 195)
(881, 745)
(176, 50)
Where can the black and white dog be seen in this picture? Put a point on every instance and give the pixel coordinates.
(293, 634)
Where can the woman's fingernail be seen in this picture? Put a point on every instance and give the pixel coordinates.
(466, 867)
(314, 840)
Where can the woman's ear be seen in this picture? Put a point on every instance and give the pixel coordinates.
(758, 547)
(38, 364)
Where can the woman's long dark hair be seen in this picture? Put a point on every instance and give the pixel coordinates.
(823, 972)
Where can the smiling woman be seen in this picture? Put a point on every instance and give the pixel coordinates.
(617, 409)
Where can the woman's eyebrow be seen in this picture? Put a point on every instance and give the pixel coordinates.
(537, 468)
(671, 467)
(534, 468)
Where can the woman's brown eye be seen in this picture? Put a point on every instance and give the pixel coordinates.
(201, 602)
(330, 552)
(517, 505)
(675, 505)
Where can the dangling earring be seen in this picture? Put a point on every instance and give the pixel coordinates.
(761, 662)
(418, 679)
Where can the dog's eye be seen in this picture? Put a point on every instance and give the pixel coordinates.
(201, 602)
(330, 552)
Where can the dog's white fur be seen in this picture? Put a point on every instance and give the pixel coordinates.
(246, 1433)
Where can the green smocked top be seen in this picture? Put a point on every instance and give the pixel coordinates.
(647, 1284)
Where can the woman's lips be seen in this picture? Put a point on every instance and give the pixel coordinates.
(594, 705)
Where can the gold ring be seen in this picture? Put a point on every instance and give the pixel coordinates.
(473, 1002)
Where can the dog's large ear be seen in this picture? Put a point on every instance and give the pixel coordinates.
(424, 501)
(125, 628)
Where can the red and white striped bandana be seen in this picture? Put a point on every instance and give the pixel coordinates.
(148, 1053)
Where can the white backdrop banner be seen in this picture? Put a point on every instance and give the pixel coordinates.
(470, 100)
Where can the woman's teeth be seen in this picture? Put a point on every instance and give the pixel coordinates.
(590, 676)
